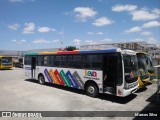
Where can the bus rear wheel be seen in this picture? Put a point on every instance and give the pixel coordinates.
(41, 79)
(92, 90)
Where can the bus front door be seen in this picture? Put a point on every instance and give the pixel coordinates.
(109, 74)
(33, 67)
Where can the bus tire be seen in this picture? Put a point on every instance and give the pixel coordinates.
(41, 79)
(92, 90)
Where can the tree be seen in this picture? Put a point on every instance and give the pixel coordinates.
(71, 48)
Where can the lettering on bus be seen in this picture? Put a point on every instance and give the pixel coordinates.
(91, 75)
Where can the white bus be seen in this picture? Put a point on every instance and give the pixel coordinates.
(111, 71)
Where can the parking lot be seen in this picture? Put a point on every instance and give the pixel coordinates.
(18, 94)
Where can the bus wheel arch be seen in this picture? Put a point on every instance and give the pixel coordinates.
(41, 79)
(91, 88)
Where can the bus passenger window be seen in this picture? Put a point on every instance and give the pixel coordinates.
(46, 60)
(27, 60)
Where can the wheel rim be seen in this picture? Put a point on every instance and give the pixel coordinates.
(41, 79)
(91, 89)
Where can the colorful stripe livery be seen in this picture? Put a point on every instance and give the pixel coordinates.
(109, 50)
(73, 81)
(47, 75)
(64, 79)
(59, 77)
(53, 77)
(79, 80)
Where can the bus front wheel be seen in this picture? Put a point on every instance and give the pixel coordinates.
(41, 79)
(92, 90)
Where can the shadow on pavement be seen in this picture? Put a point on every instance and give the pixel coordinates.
(151, 109)
(112, 98)
(5, 69)
(141, 90)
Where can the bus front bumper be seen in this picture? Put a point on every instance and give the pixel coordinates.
(127, 92)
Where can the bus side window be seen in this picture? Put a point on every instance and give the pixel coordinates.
(74, 61)
(62, 61)
(97, 62)
(40, 60)
(56, 60)
(51, 61)
(77, 61)
(87, 62)
(45, 60)
(27, 60)
(69, 61)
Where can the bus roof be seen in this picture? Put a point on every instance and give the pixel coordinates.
(110, 50)
(128, 52)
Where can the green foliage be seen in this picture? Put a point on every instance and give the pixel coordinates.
(71, 48)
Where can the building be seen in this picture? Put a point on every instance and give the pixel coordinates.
(12, 53)
(15, 53)
(139, 46)
(44, 50)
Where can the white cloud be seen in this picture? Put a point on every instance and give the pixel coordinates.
(45, 29)
(120, 8)
(23, 40)
(14, 26)
(146, 33)
(143, 14)
(132, 30)
(151, 24)
(39, 41)
(138, 14)
(90, 33)
(29, 28)
(156, 11)
(149, 40)
(61, 33)
(84, 13)
(19, 41)
(100, 33)
(77, 41)
(106, 40)
(91, 42)
(102, 21)
(97, 33)
(152, 40)
(56, 41)
(14, 40)
(137, 40)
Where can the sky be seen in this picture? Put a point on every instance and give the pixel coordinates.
(41, 24)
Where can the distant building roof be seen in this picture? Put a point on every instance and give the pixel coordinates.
(43, 50)
(12, 53)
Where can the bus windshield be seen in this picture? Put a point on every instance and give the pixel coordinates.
(6, 60)
(149, 63)
(130, 68)
(142, 64)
